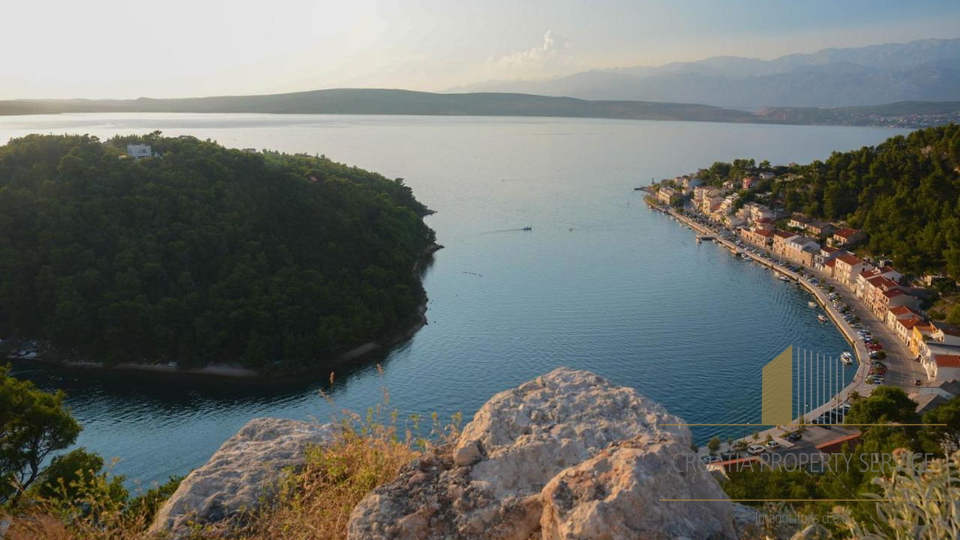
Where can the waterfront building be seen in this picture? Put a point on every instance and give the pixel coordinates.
(894, 298)
(749, 181)
(801, 250)
(765, 224)
(921, 333)
(945, 367)
(780, 239)
(761, 237)
(825, 255)
(710, 204)
(690, 183)
(940, 361)
(846, 269)
(669, 195)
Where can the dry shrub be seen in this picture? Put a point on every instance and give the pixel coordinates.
(316, 503)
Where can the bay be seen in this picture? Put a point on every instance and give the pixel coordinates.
(600, 283)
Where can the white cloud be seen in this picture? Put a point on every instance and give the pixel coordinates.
(537, 59)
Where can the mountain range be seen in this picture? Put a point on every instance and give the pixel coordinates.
(922, 70)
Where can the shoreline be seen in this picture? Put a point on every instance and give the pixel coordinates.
(231, 370)
(859, 349)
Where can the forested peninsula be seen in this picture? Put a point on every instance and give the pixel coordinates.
(199, 254)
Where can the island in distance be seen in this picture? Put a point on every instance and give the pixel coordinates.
(406, 102)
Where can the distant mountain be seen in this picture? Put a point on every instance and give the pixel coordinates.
(924, 70)
(400, 102)
(403, 102)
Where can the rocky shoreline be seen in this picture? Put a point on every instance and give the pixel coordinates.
(237, 370)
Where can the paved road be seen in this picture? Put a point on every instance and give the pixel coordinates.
(902, 369)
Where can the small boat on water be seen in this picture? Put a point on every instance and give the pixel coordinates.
(783, 278)
(812, 304)
(528, 228)
(846, 358)
(823, 318)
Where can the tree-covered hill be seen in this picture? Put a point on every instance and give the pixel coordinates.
(904, 193)
(203, 253)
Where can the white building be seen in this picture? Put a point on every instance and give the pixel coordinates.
(137, 151)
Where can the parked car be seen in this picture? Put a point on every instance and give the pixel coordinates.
(794, 436)
(918, 382)
(773, 445)
(755, 449)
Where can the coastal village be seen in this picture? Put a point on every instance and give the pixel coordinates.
(879, 309)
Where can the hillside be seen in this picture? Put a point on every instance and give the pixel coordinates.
(201, 254)
(922, 70)
(902, 113)
(401, 102)
(904, 193)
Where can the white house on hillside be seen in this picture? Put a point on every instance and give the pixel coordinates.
(137, 151)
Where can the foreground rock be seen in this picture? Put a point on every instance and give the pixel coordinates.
(568, 455)
(239, 473)
(625, 492)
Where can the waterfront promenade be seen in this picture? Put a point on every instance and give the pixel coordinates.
(813, 434)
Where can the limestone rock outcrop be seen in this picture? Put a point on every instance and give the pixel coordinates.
(244, 469)
(567, 455)
(638, 488)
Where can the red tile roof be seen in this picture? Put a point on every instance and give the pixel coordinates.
(910, 323)
(831, 263)
(846, 232)
(764, 233)
(837, 445)
(904, 310)
(849, 259)
(947, 360)
(829, 249)
(784, 234)
(893, 293)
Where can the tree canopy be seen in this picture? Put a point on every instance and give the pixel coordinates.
(33, 424)
(904, 193)
(202, 253)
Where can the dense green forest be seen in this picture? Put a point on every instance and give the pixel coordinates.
(904, 193)
(202, 253)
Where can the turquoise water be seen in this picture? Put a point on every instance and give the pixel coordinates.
(626, 293)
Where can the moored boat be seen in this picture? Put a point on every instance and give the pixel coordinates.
(812, 304)
(846, 357)
(823, 318)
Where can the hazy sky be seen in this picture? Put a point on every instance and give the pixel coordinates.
(124, 49)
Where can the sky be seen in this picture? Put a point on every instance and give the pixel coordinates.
(181, 48)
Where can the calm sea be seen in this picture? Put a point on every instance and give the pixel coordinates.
(600, 283)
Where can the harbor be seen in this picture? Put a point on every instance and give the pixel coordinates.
(861, 355)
